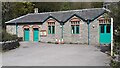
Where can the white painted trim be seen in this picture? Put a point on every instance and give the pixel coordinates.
(111, 36)
(106, 9)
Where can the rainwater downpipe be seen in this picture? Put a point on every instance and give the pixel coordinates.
(88, 23)
(61, 31)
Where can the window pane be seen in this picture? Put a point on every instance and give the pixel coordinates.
(108, 28)
(77, 29)
(49, 29)
(102, 28)
(53, 29)
(73, 29)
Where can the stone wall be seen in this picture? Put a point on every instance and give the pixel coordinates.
(51, 37)
(11, 29)
(75, 38)
(67, 36)
(94, 32)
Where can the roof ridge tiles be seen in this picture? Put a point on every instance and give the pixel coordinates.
(65, 11)
(59, 15)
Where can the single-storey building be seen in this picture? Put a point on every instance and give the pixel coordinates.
(72, 26)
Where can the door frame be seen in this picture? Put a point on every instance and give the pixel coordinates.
(105, 31)
(26, 27)
(35, 27)
(34, 34)
(25, 34)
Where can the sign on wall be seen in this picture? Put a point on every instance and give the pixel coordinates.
(43, 33)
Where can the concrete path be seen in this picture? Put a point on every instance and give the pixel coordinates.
(43, 54)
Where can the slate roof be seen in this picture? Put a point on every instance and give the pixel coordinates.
(60, 16)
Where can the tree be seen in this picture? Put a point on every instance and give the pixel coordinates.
(12, 10)
(22, 8)
(48, 6)
(97, 4)
(6, 15)
(115, 12)
(65, 6)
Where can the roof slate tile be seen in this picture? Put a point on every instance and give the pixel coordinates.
(59, 16)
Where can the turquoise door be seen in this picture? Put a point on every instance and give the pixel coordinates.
(105, 33)
(36, 34)
(26, 34)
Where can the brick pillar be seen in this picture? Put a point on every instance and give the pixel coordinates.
(31, 34)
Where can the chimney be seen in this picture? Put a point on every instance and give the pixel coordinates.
(36, 10)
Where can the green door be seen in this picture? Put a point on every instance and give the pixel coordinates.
(36, 34)
(105, 33)
(26, 34)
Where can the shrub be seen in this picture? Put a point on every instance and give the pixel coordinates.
(49, 42)
(7, 37)
(20, 38)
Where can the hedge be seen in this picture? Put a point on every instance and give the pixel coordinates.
(7, 37)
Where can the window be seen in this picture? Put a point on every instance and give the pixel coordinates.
(43, 33)
(75, 28)
(51, 28)
(107, 28)
(102, 29)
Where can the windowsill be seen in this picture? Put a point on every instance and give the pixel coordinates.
(75, 34)
(51, 34)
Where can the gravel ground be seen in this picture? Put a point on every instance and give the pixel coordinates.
(43, 54)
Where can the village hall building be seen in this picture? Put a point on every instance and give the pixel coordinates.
(73, 26)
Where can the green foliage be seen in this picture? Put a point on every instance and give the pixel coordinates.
(22, 8)
(115, 8)
(116, 48)
(115, 64)
(115, 12)
(83, 5)
(65, 6)
(47, 6)
(97, 4)
(12, 10)
(7, 37)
